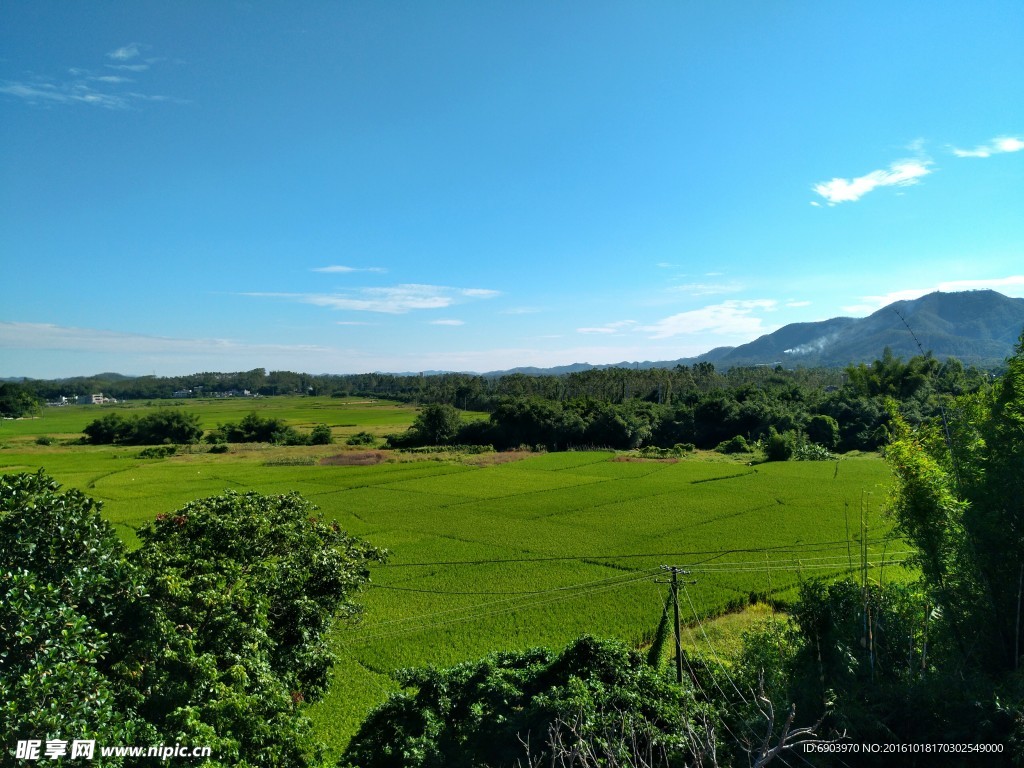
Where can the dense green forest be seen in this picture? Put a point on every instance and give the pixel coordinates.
(618, 408)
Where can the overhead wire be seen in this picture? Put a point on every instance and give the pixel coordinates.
(511, 598)
(581, 585)
(806, 546)
(516, 606)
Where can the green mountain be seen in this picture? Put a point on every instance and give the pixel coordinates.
(978, 327)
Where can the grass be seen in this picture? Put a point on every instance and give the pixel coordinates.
(488, 553)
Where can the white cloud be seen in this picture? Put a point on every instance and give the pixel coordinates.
(730, 318)
(447, 322)
(352, 322)
(521, 311)
(617, 327)
(87, 87)
(798, 303)
(336, 268)
(902, 173)
(1012, 285)
(125, 52)
(71, 93)
(394, 300)
(997, 146)
(706, 289)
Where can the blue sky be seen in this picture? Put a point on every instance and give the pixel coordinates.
(402, 186)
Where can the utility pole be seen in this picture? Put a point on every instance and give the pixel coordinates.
(674, 586)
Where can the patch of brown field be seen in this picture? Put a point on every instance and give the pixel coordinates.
(490, 459)
(354, 459)
(643, 460)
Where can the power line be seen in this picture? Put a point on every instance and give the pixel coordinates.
(484, 592)
(807, 546)
(507, 609)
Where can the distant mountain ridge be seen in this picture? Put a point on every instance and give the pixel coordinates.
(977, 327)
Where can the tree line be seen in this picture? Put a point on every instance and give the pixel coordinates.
(628, 409)
(471, 391)
(742, 405)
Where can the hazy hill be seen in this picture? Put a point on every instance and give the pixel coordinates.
(978, 327)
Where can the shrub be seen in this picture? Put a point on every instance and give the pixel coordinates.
(165, 426)
(737, 444)
(807, 451)
(45, 440)
(254, 429)
(361, 438)
(321, 435)
(158, 452)
(779, 446)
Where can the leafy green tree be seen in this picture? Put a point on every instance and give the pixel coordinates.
(213, 632)
(69, 602)
(167, 426)
(243, 589)
(959, 499)
(437, 424)
(17, 400)
(254, 428)
(533, 708)
(321, 435)
(109, 428)
(823, 430)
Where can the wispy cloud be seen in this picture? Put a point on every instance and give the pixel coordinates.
(81, 85)
(125, 52)
(130, 67)
(902, 173)
(706, 289)
(66, 93)
(609, 328)
(798, 304)
(337, 268)
(1013, 285)
(394, 300)
(730, 318)
(521, 311)
(447, 322)
(997, 146)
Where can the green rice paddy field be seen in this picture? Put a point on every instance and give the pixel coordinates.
(500, 552)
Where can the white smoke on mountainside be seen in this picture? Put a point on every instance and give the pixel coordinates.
(818, 345)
